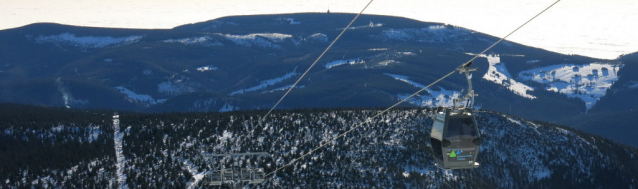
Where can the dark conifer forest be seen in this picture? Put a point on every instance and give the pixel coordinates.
(67, 148)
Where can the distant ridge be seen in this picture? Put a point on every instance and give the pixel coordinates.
(245, 63)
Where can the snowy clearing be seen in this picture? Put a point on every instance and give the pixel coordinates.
(435, 98)
(266, 40)
(203, 40)
(284, 88)
(589, 82)
(206, 68)
(87, 41)
(344, 62)
(497, 73)
(197, 176)
(147, 100)
(319, 37)
(266, 83)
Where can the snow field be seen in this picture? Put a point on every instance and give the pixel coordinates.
(264, 84)
(589, 82)
(87, 41)
(497, 73)
(146, 100)
(434, 99)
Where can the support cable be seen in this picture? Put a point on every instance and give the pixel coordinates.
(317, 60)
(391, 107)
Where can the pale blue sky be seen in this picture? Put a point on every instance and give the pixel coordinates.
(597, 28)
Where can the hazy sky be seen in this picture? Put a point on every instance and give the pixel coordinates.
(596, 28)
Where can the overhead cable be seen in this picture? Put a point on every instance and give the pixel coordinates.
(317, 60)
(323, 144)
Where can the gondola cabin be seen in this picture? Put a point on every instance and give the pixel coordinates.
(455, 139)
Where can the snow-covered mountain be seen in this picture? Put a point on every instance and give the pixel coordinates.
(82, 149)
(247, 63)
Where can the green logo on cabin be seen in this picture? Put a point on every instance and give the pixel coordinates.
(453, 154)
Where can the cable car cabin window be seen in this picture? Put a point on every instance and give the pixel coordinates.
(460, 128)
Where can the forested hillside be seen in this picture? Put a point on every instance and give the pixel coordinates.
(60, 148)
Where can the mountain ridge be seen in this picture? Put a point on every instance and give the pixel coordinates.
(245, 62)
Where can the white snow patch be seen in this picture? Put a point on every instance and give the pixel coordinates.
(405, 79)
(437, 27)
(266, 40)
(318, 37)
(435, 98)
(87, 41)
(197, 176)
(284, 88)
(226, 135)
(378, 49)
(474, 54)
(588, 82)
(266, 83)
(532, 61)
(370, 25)
(67, 97)
(387, 62)
(528, 125)
(497, 73)
(206, 68)
(344, 62)
(146, 100)
(407, 53)
(93, 133)
(515, 121)
(72, 170)
(449, 175)
(202, 40)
